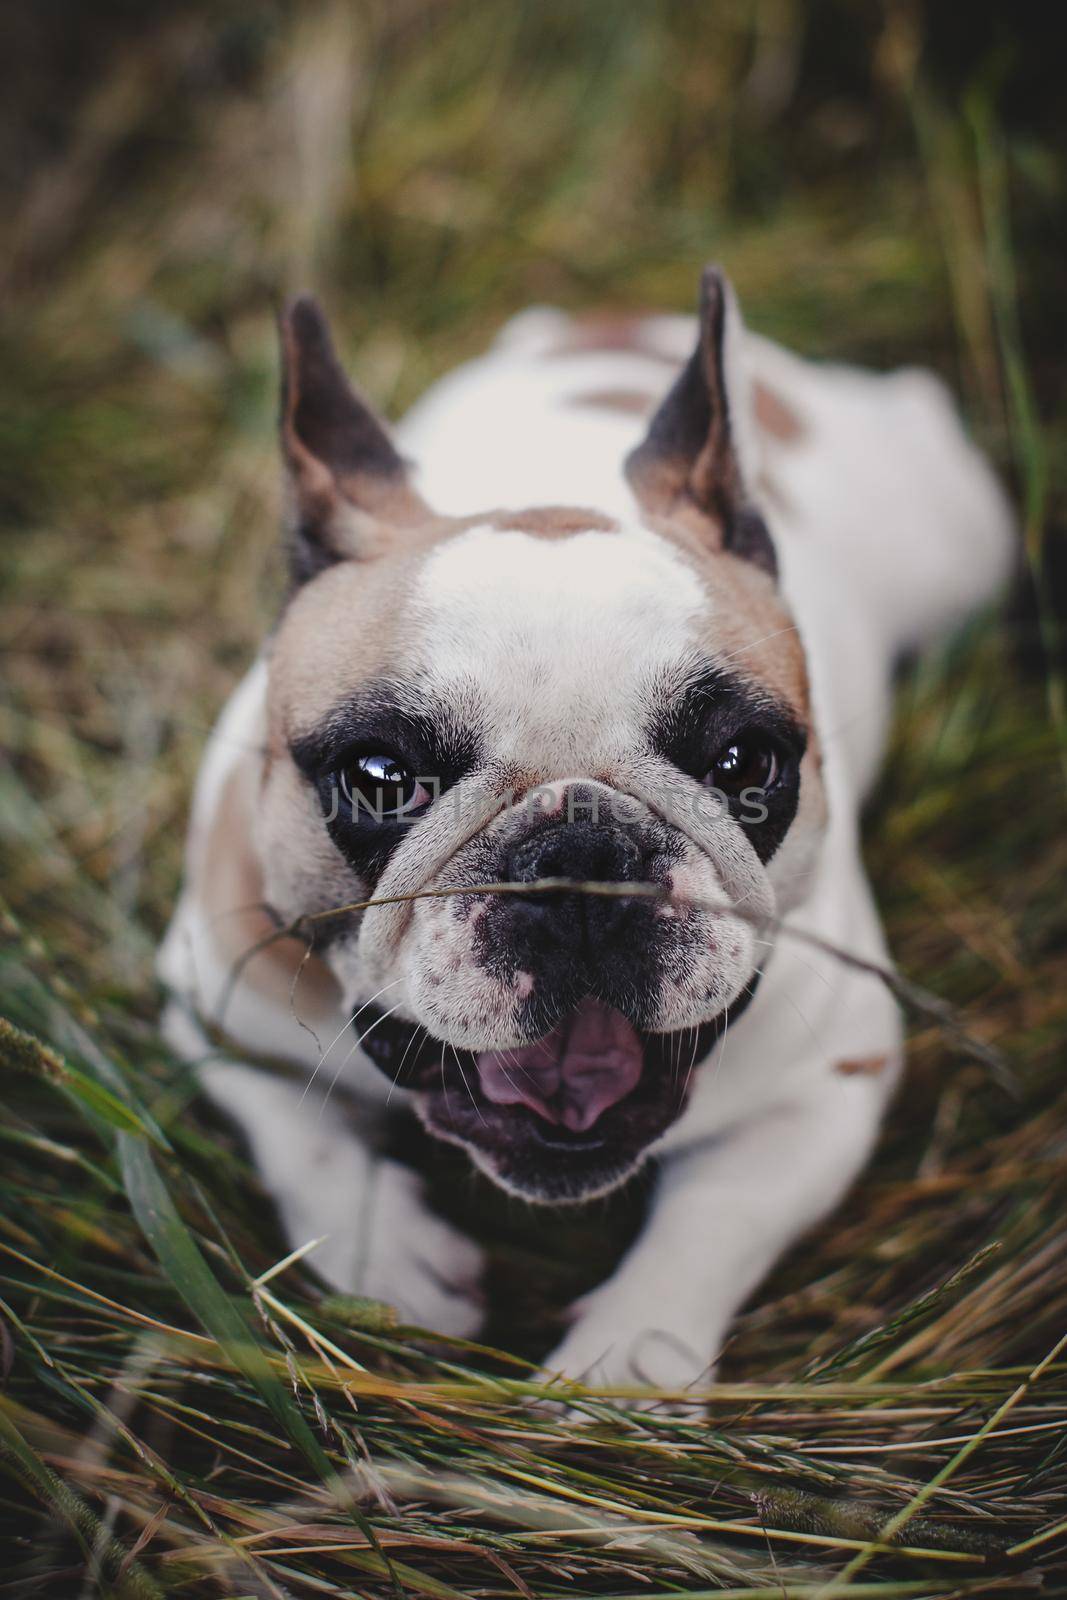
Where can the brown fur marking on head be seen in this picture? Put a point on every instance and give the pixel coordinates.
(752, 636)
(551, 522)
(337, 633)
(619, 331)
(774, 416)
(752, 632)
(632, 402)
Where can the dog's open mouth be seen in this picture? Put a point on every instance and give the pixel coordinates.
(588, 1063)
(566, 1117)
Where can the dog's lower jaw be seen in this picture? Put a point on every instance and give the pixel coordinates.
(567, 1189)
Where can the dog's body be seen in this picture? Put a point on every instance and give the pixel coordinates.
(546, 664)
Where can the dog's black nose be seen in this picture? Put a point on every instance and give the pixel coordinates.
(584, 852)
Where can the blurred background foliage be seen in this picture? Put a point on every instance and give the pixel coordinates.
(881, 181)
(884, 183)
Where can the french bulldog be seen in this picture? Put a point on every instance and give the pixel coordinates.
(626, 633)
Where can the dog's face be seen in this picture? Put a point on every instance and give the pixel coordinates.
(538, 694)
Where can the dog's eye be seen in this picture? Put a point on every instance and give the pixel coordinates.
(377, 786)
(747, 762)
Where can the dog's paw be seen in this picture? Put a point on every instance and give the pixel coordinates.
(619, 1340)
(428, 1270)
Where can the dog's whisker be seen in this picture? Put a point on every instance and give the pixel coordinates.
(444, 1084)
(676, 1055)
(466, 1085)
(696, 1049)
(723, 1037)
(692, 1063)
(352, 1020)
(518, 1065)
(514, 1061)
(510, 1081)
(365, 1035)
(403, 1060)
(823, 979)
(811, 1031)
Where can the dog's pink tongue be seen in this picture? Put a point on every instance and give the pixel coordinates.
(589, 1062)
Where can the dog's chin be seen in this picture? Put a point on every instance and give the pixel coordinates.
(530, 1150)
(542, 1161)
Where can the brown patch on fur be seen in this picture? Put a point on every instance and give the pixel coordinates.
(750, 630)
(754, 634)
(551, 522)
(603, 331)
(773, 416)
(633, 402)
(229, 883)
(391, 500)
(862, 1067)
(339, 631)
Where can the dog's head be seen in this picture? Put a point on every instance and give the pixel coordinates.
(532, 694)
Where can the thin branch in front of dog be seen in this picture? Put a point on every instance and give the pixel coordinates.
(912, 996)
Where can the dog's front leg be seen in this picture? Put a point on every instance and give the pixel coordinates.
(377, 1236)
(722, 1214)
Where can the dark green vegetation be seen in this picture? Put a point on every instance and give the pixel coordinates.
(882, 185)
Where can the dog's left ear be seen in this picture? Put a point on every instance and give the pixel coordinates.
(697, 449)
(348, 486)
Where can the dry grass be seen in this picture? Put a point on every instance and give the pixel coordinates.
(171, 1420)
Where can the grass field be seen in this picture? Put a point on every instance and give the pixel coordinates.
(883, 183)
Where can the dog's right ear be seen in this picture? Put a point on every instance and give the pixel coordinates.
(697, 443)
(348, 488)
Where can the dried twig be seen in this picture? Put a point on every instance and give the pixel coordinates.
(912, 996)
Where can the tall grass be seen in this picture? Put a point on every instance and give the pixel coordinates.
(179, 1413)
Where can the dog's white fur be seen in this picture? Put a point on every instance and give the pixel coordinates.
(889, 528)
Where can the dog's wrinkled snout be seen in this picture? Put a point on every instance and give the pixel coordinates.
(583, 852)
